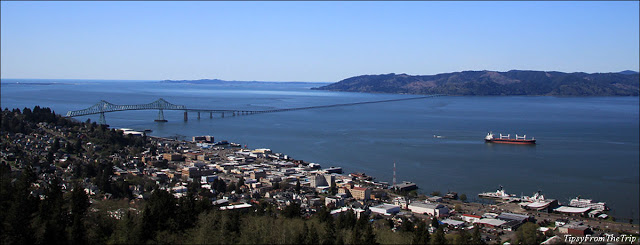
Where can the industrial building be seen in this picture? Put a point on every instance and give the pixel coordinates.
(385, 209)
(433, 209)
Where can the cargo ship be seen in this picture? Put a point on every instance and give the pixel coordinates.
(506, 139)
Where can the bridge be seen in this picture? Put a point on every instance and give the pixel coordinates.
(103, 107)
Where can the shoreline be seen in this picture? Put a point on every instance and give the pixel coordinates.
(473, 202)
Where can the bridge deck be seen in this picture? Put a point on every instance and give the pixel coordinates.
(161, 104)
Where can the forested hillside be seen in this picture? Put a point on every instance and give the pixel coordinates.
(513, 82)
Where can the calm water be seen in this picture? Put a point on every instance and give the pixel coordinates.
(586, 146)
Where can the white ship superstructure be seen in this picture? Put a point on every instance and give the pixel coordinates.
(588, 203)
(499, 194)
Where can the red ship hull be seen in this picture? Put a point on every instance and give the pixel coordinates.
(512, 141)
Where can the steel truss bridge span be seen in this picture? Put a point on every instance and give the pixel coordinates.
(161, 104)
(104, 106)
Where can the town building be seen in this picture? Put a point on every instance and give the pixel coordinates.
(385, 209)
(360, 193)
(433, 209)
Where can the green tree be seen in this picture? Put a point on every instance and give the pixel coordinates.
(333, 189)
(53, 214)
(476, 237)
(79, 205)
(434, 222)
(438, 237)
(458, 208)
(126, 231)
(298, 186)
(329, 237)
(528, 234)
(406, 225)
(301, 237)
(421, 234)
(158, 214)
(208, 228)
(435, 193)
(463, 197)
(20, 213)
(313, 237)
(292, 210)
(231, 227)
(323, 214)
(462, 237)
(369, 236)
(356, 236)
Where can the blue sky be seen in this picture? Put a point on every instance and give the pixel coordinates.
(312, 41)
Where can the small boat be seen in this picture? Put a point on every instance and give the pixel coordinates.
(438, 136)
(148, 130)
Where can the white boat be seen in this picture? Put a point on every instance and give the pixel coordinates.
(537, 197)
(588, 203)
(499, 194)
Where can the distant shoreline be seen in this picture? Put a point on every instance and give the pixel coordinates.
(493, 83)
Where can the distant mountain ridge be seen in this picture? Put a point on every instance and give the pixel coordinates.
(218, 81)
(514, 82)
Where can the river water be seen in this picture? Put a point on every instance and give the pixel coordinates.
(586, 146)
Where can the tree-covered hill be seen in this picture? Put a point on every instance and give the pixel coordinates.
(514, 82)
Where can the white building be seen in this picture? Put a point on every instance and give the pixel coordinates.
(357, 211)
(401, 201)
(433, 209)
(385, 209)
(336, 200)
(470, 218)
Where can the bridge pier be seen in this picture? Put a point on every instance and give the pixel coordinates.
(222, 114)
(102, 120)
(198, 115)
(211, 114)
(186, 117)
(160, 116)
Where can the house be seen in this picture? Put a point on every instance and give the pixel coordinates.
(336, 201)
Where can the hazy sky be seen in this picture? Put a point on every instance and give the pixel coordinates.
(312, 41)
